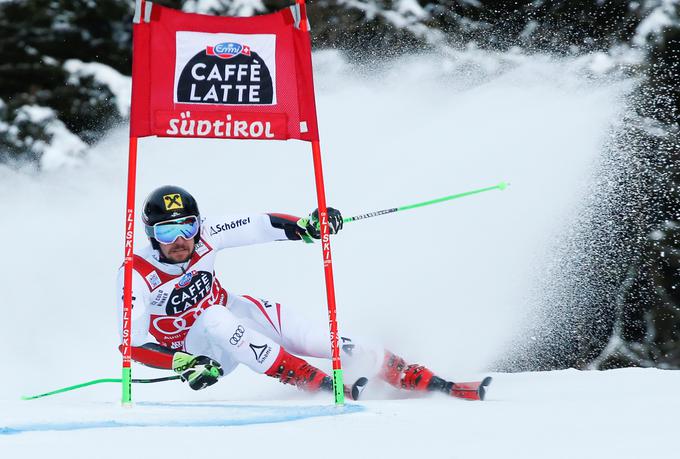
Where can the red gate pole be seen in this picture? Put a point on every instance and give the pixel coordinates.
(127, 273)
(338, 385)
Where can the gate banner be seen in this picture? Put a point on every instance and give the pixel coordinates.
(196, 75)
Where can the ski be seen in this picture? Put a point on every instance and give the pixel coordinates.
(470, 390)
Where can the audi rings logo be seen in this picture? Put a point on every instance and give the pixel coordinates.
(238, 334)
(171, 325)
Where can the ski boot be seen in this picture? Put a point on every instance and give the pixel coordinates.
(397, 373)
(290, 369)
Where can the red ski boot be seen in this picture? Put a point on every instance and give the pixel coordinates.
(419, 378)
(402, 376)
(290, 369)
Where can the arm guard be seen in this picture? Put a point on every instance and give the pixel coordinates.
(153, 355)
(288, 223)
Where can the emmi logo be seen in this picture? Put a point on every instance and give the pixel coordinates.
(227, 50)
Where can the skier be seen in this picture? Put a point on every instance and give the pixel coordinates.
(184, 320)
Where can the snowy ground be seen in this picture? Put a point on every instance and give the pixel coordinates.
(446, 285)
(566, 414)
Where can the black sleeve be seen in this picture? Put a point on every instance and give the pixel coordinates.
(288, 223)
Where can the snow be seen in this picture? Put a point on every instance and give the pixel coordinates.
(662, 14)
(35, 113)
(590, 415)
(409, 15)
(119, 84)
(412, 8)
(444, 285)
(475, 3)
(234, 7)
(64, 149)
(529, 29)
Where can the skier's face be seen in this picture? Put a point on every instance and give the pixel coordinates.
(178, 251)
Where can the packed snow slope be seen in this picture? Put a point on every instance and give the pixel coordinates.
(444, 285)
(619, 414)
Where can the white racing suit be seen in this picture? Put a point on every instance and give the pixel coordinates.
(183, 307)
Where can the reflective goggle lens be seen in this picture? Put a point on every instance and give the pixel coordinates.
(168, 232)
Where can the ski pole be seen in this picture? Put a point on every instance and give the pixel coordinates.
(98, 381)
(500, 186)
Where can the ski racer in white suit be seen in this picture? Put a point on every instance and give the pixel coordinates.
(184, 320)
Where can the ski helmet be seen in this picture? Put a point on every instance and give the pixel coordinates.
(168, 203)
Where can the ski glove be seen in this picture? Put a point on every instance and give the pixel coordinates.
(310, 227)
(198, 370)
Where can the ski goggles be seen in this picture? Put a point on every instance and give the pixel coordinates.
(167, 232)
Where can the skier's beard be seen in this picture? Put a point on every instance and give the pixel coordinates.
(179, 251)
